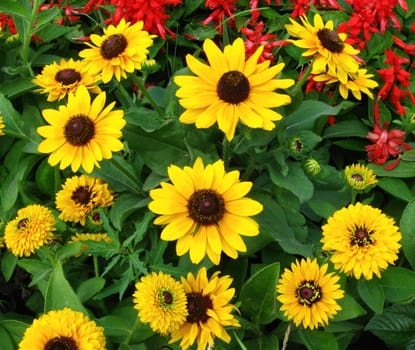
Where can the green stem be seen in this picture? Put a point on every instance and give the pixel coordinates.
(250, 168)
(96, 266)
(28, 36)
(303, 79)
(225, 151)
(150, 98)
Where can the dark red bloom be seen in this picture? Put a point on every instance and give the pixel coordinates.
(151, 12)
(301, 7)
(386, 144)
(396, 79)
(221, 10)
(7, 22)
(407, 48)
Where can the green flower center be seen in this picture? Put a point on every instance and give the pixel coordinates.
(330, 40)
(61, 343)
(166, 298)
(197, 306)
(22, 223)
(67, 76)
(79, 130)
(206, 207)
(113, 46)
(361, 237)
(308, 293)
(233, 87)
(82, 195)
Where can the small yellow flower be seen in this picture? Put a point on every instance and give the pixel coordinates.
(31, 229)
(359, 176)
(161, 302)
(309, 294)
(2, 126)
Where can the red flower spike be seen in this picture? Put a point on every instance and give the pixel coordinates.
(221, 10)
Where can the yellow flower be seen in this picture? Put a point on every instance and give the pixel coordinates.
(81, 133)
(121, 49)
(363, 241)
(357, 83)
(230, 89)
(80, 195)
(31, 229)
(359, 176)
(2, 126)
(161, 302)
(58, 80)
(308, 293)
(331, 53)
(63, 329)
(210, 311)
(84, 237)
(205, 211)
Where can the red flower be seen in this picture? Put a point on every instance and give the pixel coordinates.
(393, 76)
(386, 144)
(221, 10)
(301, 7)
(151, 12)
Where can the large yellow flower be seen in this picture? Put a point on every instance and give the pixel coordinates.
(81, 133)
(121, 49)
(161, 302)
(59, 79)
(80, 195)
(331, 53)
(31, 229)
(63, 329)
(205, 211)
(308, 293)
(363, 240)
(210, 311)
(359, 176)
(231, 88)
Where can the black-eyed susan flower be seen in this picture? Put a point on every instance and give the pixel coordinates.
(80, 195)
(82, 133)
(359, 176)
(205, 210)
(63, 329)
(122, 49)
(230, 88)
(161, 302)
(309, 294)
(357, 83)
(31, 229)
(362, 240)
(209, 310)
(331, 54)
(59, 79)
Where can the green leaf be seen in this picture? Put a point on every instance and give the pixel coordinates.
(88, 288)
(350, 309)
(404, 169)
(125, 205)
(147, 119)
(395, 326)
(8, 264)
(398, 284)
(258, 294)
(407, 228)
(11, 117)
(69, 250)
(14, 87)
(15, 329)
(13, 8)
(59, 293)
(372, 294)
(347, 128)
(6, 340)
(39, 270)
(319, 340)
(396, 187)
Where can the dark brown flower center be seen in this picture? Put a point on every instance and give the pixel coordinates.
(113, 46)
(361, 237)
(197, 306)
(61, 343)
(82, 195)
(79, 130)
(206, 207)
(22, 223)
(67, 76)
(233, 87)
(330, 40)
(308, 293)
(357, 177)
(167, 297)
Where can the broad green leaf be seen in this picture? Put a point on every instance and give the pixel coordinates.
(39, 270)
(396, 187)
(147, 119)
(59, 293)
(350, 309)
(15, 329)
(395, 326)
(8, 264)
(13, 8)
(48, 178)
(89, 288)
(372, 294)
(15, 87)
(407, 228)
(12, 119)
(69, 250)
(398, 284)
(125, 205)
(319, 340)
(347, 128)
(404, 169)
(6, 340)
(258, 294)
